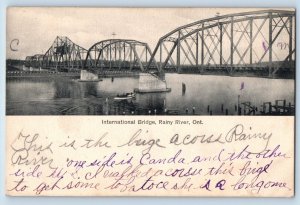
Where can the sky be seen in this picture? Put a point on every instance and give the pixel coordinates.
(37, 27)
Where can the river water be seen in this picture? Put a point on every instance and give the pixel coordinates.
(204, 95)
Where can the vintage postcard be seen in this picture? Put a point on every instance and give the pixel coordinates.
(150, 101)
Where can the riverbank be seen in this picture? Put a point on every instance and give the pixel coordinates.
(109, 74)
(74, 74)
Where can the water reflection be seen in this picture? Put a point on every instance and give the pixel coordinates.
(151, 103)
(201, 95)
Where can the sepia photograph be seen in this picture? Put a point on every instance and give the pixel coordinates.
(150, 61)
(173, 102)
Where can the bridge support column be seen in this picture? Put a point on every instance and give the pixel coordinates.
(202, 48)
(251, 42)
(124, 52)
(130, 58)
(270, 45)
(138, 58)
(231, 45)
(88, 76)
(291, 42)
(110, 57)
(221, 43)
(149, 83)
(160, 55)
(197, 51)
(178, 52)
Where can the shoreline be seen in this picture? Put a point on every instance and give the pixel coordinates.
(109, 74)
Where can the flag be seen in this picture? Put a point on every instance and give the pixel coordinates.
(242, 86)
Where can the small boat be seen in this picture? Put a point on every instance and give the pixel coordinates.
(126, 96)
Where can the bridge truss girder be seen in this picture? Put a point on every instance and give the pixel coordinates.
(252, 40)
(64, 54)
(120, 54)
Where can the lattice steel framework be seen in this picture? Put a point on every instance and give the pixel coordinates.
(119, 54)
(262, 40)
(64, 54)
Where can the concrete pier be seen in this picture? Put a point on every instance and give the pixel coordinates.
(151, 83)
(88, 76)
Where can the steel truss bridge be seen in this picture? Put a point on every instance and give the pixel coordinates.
(119, 54)
(260, 42)
(62, 55)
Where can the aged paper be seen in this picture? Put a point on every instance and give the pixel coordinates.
(208, 156)
(150, 102)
